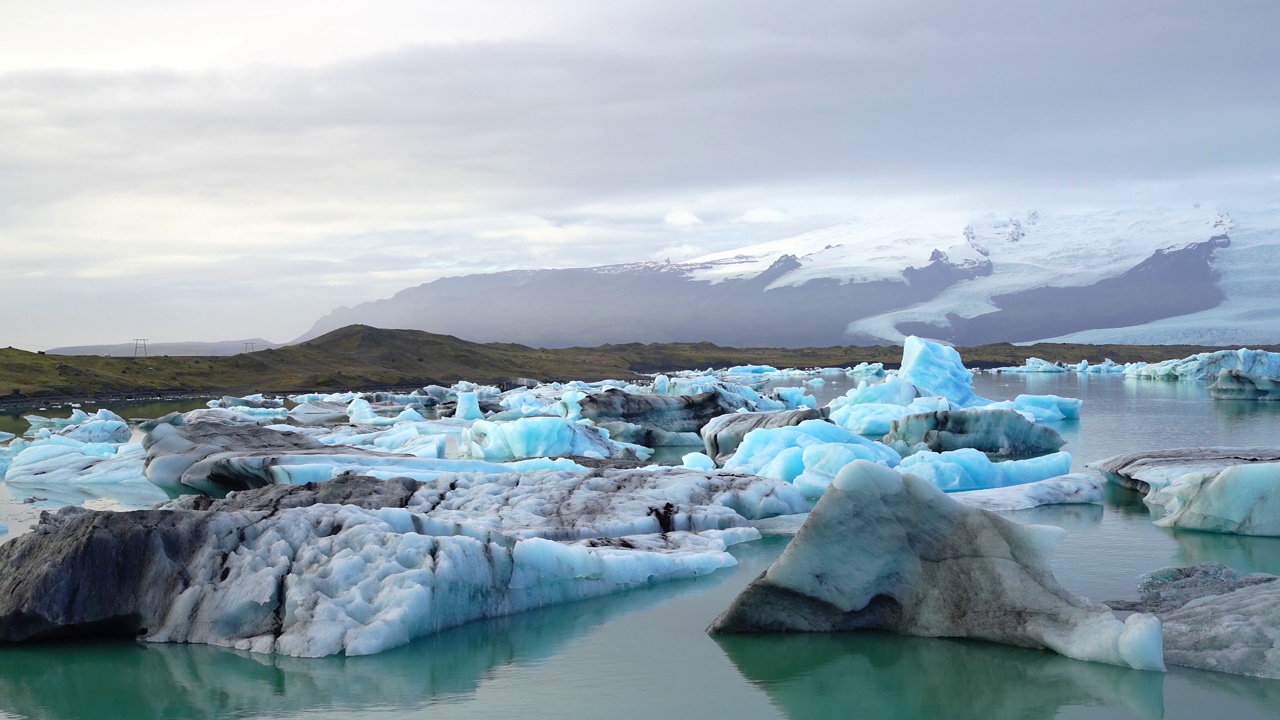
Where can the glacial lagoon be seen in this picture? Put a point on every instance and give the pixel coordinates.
(644, 654)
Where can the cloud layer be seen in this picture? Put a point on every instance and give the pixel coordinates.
(227, 185)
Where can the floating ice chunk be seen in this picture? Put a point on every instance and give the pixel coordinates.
(542, 437)
(938, 370)
(795, 398)
(215, 459)
(1034, 365)
(1154, 469)
(361, 412)
(783, 453)
(77, 417)
(317, 411)
(1205, 366)
(1215, 618)
(1072, 489)
(876, 419)
(6, 436)
(1006, 433)
(259, 413)
(98, 431)
(698, 461)
(1239, 499)
(1237, 385)
(891, 391)
(257, 400)
(228, 416)
(468, 407)
(722, 435)
(968, 469)
(681, 413)
(421, 439)
(358, 566)
(1047, 408)
(888, 551)
(67, 470)
(4, 529)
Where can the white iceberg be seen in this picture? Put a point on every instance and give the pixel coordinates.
(937, 369)
(969, 469)
(808, 454)
(1205, 366)
(532, 437)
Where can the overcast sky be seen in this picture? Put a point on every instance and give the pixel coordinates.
(222, 170)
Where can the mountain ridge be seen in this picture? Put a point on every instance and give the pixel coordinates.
(1021, 278)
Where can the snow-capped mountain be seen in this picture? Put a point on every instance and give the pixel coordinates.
(1186, 275)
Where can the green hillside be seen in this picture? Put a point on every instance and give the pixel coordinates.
(359, 356)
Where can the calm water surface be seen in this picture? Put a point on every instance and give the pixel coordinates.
(644, 654)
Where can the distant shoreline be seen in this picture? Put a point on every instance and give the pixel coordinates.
(370, 358)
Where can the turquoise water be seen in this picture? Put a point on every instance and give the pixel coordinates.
(644, 654)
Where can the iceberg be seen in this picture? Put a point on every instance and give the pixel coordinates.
(888, 551)
(1042, 408)
(318, 411)
(969, 469)
(937, 369)
(722, 435)
(357, 566)
(672, 414)
(215, 459)
(1238, 385)
(532, 437)
(1203, 366)
(68, 470)
(876, 419)
(1153, 469)
(809, 453)
(1003, 433)
(1033, 365)
(257, 400)
(468, 407)
(1215, 618)
(1070, 489)
(1238, 499)
(891, 391)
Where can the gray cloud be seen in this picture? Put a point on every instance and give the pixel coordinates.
(572, 148)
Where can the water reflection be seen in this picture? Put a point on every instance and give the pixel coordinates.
(139, 680)
(1242, 552)
(873, 675)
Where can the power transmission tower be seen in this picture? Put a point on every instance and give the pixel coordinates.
(139, 344)
(248, 347)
